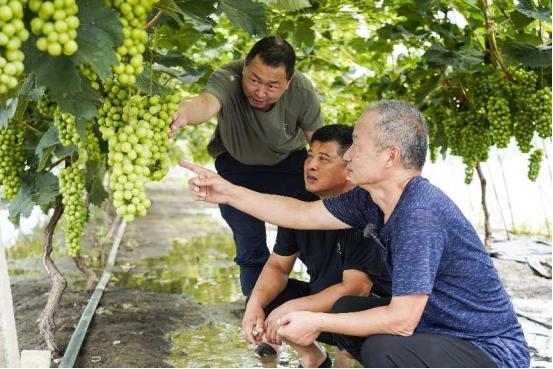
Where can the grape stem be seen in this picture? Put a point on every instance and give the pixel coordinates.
(61, 160)
(154, 20)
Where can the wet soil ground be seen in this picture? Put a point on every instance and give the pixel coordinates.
(174, 299)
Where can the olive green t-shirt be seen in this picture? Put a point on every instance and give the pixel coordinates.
(254, 137)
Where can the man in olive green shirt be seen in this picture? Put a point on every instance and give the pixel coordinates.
(266, 114)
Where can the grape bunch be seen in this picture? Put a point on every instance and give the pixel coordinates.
(133, 18)
(137, 130)
(46, 106)
(534, 164)
(111, 112)
(11, 158)
(12, 34)
(524, 86)
(542, 100)
(72, 188)
(499, 116)
(55, 25)
(67, 128)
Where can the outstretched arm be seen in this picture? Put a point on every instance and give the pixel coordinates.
(279, 210)
(195, 111)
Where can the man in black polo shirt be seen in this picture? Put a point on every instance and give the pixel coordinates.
(339, 263)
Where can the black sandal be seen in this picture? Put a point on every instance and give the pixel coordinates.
(265, 350)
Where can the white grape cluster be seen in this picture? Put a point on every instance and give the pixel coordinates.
(11, 158)
(12, 35)
(55, 25)
(72, 188)
(137, 130)
(133, 18)
(67, 127)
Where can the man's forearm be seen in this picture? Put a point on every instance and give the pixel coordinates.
(282, 211)
(268, 286)
(400, 317)
(325, 299)
(200, 109)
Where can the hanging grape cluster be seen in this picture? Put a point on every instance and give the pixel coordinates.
(55, 25)
(133, 19)
(11, 158)
(12, 34)
(534, 164)
(67, 127)
(489, 108)
(72, 188)
(137, 129)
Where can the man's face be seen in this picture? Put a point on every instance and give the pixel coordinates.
(324, 170)
(263, 84)
(365, 162)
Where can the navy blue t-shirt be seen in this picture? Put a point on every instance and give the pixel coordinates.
(327, 254)
(433, 249)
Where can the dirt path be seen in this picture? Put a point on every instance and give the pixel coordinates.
(131, 326)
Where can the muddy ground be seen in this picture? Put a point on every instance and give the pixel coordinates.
(136, 325)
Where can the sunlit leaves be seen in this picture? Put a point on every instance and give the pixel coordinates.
(246, 14)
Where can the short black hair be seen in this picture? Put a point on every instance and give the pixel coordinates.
(340, 133)
(274, 51)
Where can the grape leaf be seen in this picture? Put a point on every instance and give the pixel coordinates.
(40, 189)
(93, 182)
(246, 14)
(49, 138)
(98, 34)
(7, 112)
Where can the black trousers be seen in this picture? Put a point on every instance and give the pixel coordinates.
(285, 179)
(420, 350)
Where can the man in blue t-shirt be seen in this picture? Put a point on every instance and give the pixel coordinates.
(339, 262)
(448, 307)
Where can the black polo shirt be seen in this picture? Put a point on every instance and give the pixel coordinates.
(326, 254)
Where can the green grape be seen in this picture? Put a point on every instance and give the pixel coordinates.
(499, 117)
(542, 100)
(137, 129)
(72, 189)
(133, 19)
(534, 164)
(524, 85)
(46, 106)
(91, 75)
(56, 26)
(11, 158)
(67, 128)
(12, 35)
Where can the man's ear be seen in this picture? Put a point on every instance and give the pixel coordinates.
(394, 155)
(289, 81)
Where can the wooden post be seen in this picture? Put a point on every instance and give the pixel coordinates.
(9, 349)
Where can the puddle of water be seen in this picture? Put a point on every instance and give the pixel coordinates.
(219, 345)
(201, 268)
